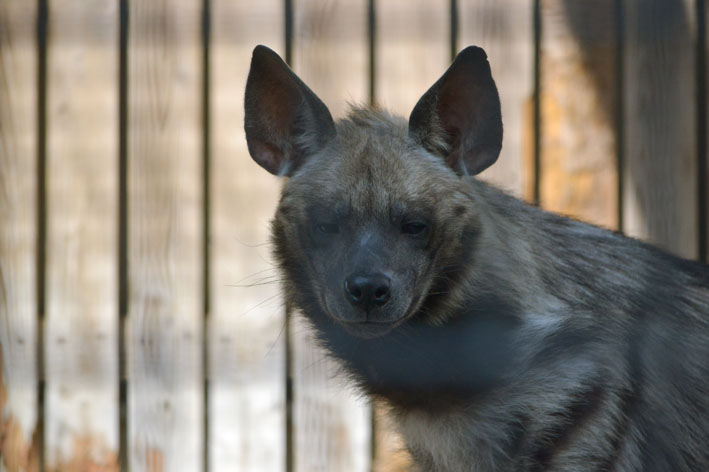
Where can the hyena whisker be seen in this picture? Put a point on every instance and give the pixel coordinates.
(262, 303)
(280, 333)
(272, 269)
(265, 281)
(253, 245)
(316, 363)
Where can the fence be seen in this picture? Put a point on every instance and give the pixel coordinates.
(140, 321)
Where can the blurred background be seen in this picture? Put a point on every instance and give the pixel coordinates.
(141, 326)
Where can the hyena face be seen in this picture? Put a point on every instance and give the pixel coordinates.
(366, 235)
(374, 220)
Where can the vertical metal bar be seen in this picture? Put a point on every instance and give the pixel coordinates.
(42, 46)
(290, 463)
(371, 38)
(453, 28)
(288, 25)
(206, 159)
(537, 100)
(372, 99)
(701, 79)
(122, 231)
(620, 110)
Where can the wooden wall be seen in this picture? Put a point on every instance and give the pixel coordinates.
(141, 326)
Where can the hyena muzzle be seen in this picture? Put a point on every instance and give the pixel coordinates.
(503, 338)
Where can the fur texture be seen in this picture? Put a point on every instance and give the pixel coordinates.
(511, 339)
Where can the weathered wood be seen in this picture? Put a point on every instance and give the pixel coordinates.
(164, 325)
(504, 29)
(659, 178)
(331, 427)
(412, 50)
(81, 424)
(18, 190)
(247, 375)
(331, 51)
(578, 169)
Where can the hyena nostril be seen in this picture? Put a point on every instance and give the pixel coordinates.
(381, 295)
(352, 292)
(366, 291)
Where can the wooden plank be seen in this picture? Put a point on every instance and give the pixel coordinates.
(18, 190)
(659, 179)
(81, 425)
(331, 427)
(164, 325)
(412, 50)
(331, 51)
(247, 412)
(578, 169)
(504, 29)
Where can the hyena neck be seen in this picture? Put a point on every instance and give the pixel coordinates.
(460, 346)
(432, 367)
(469, 341)
(550, 264)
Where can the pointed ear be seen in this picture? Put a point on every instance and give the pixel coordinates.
(459, 117)
(284, 120)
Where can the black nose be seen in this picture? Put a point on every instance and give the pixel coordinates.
(368, 291)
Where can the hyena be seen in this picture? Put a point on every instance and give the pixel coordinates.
(503, 337)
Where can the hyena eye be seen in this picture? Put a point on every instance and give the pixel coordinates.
(327, 228)
(414, 228)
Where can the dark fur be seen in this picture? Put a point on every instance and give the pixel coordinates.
(515, 339)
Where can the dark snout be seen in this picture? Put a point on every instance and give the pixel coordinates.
(367, 291)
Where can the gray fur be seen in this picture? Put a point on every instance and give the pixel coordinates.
(515, 339)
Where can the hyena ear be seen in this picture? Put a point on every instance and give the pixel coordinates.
(284, 120)
(459, 117)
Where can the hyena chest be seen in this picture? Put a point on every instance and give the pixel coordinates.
(450, 442)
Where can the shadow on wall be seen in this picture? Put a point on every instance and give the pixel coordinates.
(655, 120)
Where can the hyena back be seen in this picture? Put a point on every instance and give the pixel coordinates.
(503, 337)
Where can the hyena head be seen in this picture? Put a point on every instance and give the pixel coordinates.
(375, 225)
